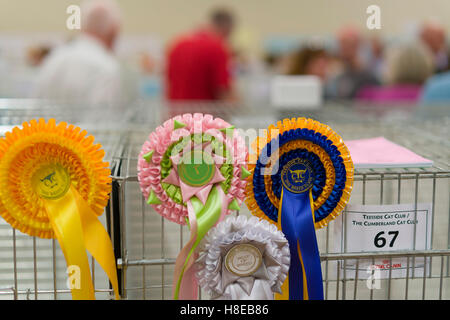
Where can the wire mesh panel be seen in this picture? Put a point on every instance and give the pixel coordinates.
(146, 245)
(150, 244)
(34, 268)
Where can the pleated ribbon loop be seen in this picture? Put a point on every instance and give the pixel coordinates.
(243, 259)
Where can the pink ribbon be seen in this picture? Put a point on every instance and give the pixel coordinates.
(189, 286)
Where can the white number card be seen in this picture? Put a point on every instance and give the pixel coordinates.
(372, 228)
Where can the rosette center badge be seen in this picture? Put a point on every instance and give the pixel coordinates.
(243, 260)
(196, 168)
(51, 181)
(297, 175)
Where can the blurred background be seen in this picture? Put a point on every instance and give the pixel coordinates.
(397, 62)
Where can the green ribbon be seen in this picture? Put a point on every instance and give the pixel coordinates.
(206, 217)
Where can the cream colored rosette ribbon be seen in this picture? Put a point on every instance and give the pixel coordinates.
(243, 259)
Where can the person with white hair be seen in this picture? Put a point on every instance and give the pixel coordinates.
(85, 70)
(352, 74)
(408, 66)
(433, 36)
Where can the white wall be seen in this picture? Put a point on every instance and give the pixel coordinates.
(258, 18)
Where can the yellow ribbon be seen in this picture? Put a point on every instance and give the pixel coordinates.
(77, 228)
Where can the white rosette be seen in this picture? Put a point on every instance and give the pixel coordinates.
(270, 269)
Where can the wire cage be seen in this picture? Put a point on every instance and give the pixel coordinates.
(149, 244)
(146, 245)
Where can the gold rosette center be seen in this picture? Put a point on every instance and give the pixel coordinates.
(51, 181)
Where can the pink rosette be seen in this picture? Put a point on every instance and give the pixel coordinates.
(182, 201)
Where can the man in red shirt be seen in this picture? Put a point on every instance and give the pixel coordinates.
(198, 64)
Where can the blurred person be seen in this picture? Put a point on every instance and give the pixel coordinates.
(376, 59)
(352, 74)
(409, 64)
(433, 36)
(35, 55)
(271, 60)
(147, 63)
(437, 89)
(85, 70)
(308, 61)
(198, 63)
(349, 42)
(408, 67)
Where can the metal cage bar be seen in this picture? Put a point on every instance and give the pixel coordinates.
(394, 187)
(146, 245)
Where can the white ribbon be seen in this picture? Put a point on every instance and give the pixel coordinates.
(214, 277)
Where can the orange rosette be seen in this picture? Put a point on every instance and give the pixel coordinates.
(54, 184)
(301, 179)
(291, 125)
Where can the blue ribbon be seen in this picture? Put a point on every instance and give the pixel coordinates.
(297, 223)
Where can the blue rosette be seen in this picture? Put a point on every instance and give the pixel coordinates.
(301, 178)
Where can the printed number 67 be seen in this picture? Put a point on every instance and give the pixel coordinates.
(380, 241)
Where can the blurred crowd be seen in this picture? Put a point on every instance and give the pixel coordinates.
(367, 69)
(201, 64)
